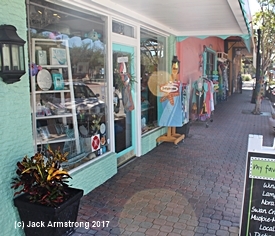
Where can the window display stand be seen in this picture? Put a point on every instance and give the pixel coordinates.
(53, 55)
(171, 136)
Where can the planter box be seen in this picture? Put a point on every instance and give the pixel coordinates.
(53, 221)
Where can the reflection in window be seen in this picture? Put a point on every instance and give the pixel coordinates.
(210, 58)
(152, 50)
(123, 29)
(85, 34)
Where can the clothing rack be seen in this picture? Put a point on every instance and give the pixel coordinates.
(203, 107)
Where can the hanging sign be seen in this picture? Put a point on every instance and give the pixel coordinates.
(122, 59)
(258, 210)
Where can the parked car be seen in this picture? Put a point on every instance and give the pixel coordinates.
(86, 102)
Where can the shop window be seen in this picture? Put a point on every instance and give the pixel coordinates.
(152, 51)
(123, 29)
(210, 58)
(70, 111)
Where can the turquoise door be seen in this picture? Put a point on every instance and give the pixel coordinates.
(124, 100)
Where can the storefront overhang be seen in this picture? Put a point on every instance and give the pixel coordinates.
(221, 18)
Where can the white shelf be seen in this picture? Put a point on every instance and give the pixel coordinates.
(52, 91)
(53, 66)
(55, 139)
(54, 116)
(67, 118)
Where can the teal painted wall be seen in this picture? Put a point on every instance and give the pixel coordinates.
(15, 125)
(148, 141)
(95, 174)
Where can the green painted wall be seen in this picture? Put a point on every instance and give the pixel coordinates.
(95, 174)
(15, 125)
(16, 131)
(148, 141)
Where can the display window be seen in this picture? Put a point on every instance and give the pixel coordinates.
(153, 60)
(68, 80)
(210, 58)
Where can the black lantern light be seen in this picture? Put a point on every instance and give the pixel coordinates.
(12, 58)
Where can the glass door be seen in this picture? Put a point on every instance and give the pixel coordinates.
(123, 97)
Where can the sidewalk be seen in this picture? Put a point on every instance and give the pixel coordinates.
(195, 189)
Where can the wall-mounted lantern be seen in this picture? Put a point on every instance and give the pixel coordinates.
(12, 58)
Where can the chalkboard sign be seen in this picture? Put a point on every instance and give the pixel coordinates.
(258, 210)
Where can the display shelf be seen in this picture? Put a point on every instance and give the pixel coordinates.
(54, 66)
(54, 138)
(52, 91)
(53, 52)
(54, 116)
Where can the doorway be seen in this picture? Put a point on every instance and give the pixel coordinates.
(124, 103)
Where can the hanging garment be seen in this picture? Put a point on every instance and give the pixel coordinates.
(127, 99)
(185, 103)
(212, 108)
(200, 88)
(209, 99)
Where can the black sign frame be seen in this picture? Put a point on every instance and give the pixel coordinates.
(258, 206)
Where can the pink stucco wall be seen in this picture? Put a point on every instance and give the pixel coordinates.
(189, 52)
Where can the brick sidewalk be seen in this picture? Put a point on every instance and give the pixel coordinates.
(195, 189)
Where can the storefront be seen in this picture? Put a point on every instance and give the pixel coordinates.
(89, 88)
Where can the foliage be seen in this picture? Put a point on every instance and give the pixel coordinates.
(118, 82)
(94, 56)
(265, 20)
(246, 77)
(96, 119)
(151, 54)
(42, 177)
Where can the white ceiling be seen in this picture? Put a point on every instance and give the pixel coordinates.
(182, 17)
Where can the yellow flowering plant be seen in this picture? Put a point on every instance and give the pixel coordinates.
(42, 177)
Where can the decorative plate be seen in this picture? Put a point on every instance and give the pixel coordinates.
(83, 130)
(102, 128)
(44, 79)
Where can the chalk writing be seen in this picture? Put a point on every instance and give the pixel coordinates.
(268, 185)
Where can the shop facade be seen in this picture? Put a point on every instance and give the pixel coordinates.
(96, 114)
(98, 103)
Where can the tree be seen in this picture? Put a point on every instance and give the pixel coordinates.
(265, 21)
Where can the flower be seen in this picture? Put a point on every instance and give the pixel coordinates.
(42, 177)
(96, 118)
(34, 69)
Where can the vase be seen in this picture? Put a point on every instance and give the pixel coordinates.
(44, 220)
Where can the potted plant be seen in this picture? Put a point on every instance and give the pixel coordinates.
(48, 206)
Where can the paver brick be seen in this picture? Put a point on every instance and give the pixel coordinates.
(192, 190)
